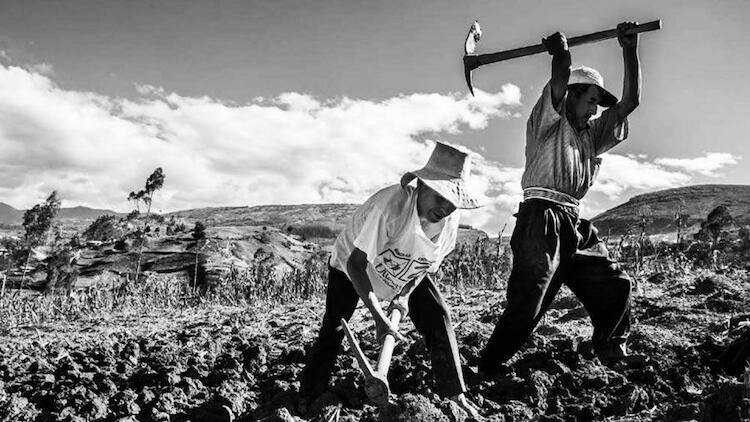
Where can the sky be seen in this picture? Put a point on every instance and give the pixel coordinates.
(249, 103)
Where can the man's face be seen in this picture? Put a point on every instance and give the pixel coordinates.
(584, 106)
(431, 205)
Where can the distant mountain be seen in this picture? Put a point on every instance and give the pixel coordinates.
(697, 201)
(85, 213)
(9, 215)
(12, 216)
(333, 216)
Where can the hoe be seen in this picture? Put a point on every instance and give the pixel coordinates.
(376, 382)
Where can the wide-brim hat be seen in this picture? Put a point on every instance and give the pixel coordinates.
(447, 172)
(589, 76)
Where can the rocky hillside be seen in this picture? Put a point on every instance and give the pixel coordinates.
(694, 201)
(292, 218)
(282, 237)
(281, 216)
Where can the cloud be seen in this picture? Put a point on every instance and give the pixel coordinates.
(148, 90)
(16, 57)
(294, 148)
(619, 173)
(707, 165)
(42, 68)
(500, 187)
(298, 149)
(298, 102)
(619, 178)
(624, 176)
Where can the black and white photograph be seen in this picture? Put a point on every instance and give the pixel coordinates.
(348, 210)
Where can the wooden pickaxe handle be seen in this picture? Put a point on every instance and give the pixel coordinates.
(386, 353)
(583, 39)
(473, 61)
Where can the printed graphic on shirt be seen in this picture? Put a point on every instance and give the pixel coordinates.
(397, 268)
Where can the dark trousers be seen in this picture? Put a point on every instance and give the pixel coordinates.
(427, 310)
(544, 243)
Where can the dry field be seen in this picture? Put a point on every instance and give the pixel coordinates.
(192, 358)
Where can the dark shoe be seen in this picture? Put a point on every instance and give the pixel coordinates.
(617, 354)
(611, 351)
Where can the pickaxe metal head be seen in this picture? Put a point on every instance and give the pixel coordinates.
(471, 61)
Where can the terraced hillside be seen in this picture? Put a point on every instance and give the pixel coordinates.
(695, 201)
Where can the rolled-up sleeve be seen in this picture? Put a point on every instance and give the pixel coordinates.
(608, 130)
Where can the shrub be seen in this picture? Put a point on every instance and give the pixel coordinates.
(199, 231)
(123, 244)
(160, 219)
(104, 228)
(314, 231)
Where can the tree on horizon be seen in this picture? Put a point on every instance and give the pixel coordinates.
(154, 182)
(37, 222)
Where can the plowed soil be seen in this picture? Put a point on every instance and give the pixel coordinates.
(241, 364)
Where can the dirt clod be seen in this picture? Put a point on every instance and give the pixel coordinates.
(211, 412)
(411, 407)
(688, 363)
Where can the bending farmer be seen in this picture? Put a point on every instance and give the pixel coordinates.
(386, 251)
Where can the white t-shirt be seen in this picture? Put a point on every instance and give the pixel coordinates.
(388, 230)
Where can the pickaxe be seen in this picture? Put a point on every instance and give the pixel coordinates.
(376, 382)
(473, 61)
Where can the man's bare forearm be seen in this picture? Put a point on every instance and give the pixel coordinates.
(356, 267)
(561, 63)
(631, 87)
(557, 47)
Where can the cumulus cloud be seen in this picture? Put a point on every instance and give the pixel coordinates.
(619, 173)
(619, 178)
(294, 148)
(500, 189)
(42, 68)
(624, 176)
(707, 165)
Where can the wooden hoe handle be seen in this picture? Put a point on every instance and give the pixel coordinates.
(376, 382)
(386, 353)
